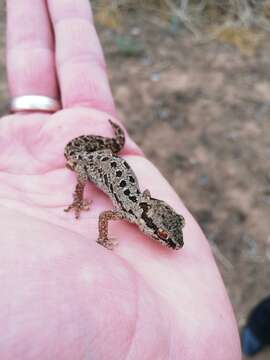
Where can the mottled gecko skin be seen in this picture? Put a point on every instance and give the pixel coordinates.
(94, 159)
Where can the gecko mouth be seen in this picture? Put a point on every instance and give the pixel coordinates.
(175, 244)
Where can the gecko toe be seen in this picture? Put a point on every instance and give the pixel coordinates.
(78, 206)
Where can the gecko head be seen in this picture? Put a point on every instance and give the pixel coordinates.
(162, 223)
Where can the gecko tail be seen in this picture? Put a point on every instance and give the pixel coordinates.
(118, 141)
(90, 143)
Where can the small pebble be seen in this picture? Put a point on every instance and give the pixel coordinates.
(135, 31)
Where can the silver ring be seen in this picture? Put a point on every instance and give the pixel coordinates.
(34, 103)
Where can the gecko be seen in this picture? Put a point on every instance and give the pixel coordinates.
(94, 158)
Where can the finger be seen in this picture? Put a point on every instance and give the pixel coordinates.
(30, 53)
(80, 62)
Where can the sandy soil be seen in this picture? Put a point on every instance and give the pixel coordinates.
(201, 114)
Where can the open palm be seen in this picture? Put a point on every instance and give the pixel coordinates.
(62, 295)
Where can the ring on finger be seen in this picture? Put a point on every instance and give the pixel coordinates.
(34, 103)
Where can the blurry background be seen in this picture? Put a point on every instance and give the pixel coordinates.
(191, 80)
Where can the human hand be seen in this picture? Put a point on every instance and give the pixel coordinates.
(62, 295)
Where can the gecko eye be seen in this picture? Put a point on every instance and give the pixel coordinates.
(162, 234)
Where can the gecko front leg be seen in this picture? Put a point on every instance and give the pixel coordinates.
(79, 203)
(103, 221)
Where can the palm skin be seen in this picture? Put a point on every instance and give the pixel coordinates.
(60, 288)
(63, 296)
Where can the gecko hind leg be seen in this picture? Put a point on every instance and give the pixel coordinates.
(103, 223)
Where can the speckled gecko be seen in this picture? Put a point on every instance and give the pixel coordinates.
(94, 159)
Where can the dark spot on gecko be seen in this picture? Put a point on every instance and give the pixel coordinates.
(148, 221)
(118, 173)
(123, 183)
(89, 148)
(127, 192)
(133, 198)
(114, 148)
(131, 212)
(106, 179)
(72, 153)
(113, 164)
(111, 188)
(117, 198)
(144, 206)
(126, 165)
(131, 179)
(105, 158)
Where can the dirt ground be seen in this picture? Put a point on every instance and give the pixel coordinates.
(201, 113)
